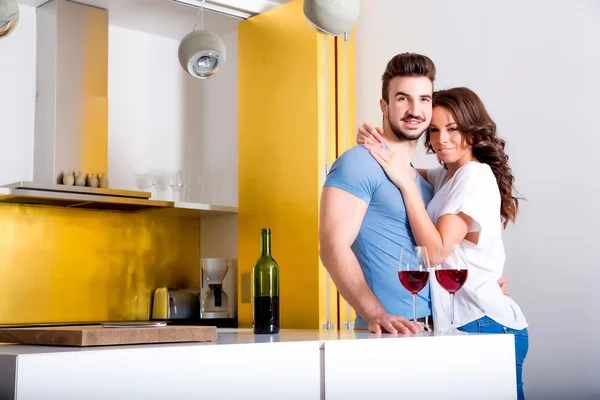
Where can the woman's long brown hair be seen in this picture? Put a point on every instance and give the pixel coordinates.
(479, 130)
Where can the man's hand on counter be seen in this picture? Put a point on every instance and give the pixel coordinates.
(392, 324)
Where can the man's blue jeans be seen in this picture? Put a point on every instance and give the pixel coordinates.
(488, 325)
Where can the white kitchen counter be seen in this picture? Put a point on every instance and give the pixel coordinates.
(225, 336)
(295, 364)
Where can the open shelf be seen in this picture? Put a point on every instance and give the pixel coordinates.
(181, 209)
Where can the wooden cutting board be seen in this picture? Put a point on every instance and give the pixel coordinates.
(96, 335)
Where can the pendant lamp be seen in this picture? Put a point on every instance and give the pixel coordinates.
(332, 17)
(201, 52)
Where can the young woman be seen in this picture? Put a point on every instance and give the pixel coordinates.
(473, 201)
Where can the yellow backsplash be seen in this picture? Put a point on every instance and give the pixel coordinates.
(66, 265)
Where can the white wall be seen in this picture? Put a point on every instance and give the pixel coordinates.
(536, 66)
(162, 120)
(17, 99)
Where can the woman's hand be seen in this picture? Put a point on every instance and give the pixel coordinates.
(393, 166)
(366, 131)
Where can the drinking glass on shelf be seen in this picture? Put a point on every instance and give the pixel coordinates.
(148, 183)
(413, 272)
(175, 182)
(451, 272)
(200, 183)
(186, 186)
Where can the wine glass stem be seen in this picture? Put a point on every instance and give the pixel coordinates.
(414, 296)
(452, 310)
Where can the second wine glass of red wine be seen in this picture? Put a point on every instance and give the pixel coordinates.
(451, 272)
(413, 272)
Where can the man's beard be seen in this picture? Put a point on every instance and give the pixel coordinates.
(406, 136)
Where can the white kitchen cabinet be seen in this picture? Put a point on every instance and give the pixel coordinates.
(295, 364)
(242, 371)
(438, 367)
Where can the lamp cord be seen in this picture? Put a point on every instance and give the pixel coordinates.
(200, 12)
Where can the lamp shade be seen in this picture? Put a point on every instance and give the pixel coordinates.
(9, 16)
(201, 53)
(333, 17)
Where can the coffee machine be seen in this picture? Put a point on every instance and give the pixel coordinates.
(218, 292)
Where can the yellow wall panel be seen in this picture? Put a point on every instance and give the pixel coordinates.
(280, 156)
(94, 107)
(65, 265)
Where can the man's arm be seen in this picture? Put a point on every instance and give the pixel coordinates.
(340, 220)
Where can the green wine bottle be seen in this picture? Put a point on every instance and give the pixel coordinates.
(265, 289)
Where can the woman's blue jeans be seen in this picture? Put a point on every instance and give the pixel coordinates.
(488, 325)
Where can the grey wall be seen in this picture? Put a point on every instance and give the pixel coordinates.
(536, 65)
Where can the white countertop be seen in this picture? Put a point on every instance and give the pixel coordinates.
(225, 336)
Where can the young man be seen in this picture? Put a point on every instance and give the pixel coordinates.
(363, 222)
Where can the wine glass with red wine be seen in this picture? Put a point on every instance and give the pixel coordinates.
(413, 272)
(451, 272)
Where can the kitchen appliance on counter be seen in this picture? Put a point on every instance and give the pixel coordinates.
(213, 304)
(177, 306)
(218, 292)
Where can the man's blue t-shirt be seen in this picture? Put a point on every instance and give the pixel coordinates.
(384, 231)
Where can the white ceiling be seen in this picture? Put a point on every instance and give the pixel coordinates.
(167, 18)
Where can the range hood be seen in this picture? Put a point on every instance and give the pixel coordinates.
(71, 113)
(29, 193)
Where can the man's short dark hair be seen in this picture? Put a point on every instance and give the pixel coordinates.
(406, 64)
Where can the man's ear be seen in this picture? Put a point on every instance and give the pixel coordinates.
(384, 106)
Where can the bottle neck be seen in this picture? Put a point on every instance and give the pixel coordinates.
(266, 243)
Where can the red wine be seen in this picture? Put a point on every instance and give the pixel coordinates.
(413, 281)
(266, 314)
(451, 279)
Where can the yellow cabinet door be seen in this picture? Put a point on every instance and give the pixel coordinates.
(287, 136)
